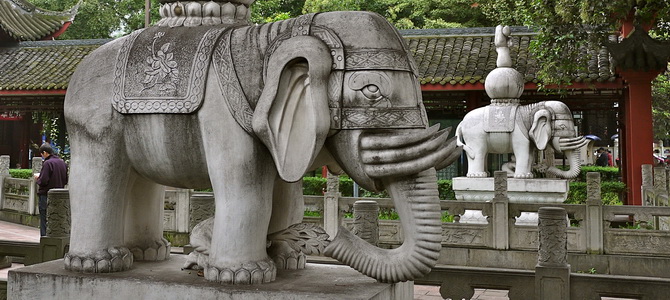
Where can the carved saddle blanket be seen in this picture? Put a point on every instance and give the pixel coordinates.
(164, 70)
(500, 118)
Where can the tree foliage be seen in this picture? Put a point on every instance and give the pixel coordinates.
(661, 106)
(101, 18)
(566, 27)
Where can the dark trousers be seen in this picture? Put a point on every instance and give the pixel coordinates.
(43, 215)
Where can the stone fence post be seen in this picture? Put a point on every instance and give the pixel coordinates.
(331, 210)
(32, 200)
(4, 172)
(594, 214)
(366, 221)
(500, 207)
(647, 185)
(552, 272)
(54, 245)
(660, 189)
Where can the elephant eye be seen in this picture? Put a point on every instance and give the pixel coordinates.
(371, 91)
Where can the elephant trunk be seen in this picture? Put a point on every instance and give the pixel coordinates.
(570, 146)
(416, 200)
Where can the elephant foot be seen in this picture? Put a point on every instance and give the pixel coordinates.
(477, 174)
(285, 257)
(523, 175)
(160, 250)
(114, 259)
(255, 272)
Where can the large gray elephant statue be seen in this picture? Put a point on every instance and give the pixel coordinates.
(199, 101)
(522, 130)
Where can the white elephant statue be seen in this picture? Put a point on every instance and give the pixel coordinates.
(248, 110)
(522, 130)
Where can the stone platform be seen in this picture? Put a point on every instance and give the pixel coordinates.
(165, 280)
(536, 190)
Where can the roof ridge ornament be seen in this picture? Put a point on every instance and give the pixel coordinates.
(204, 13)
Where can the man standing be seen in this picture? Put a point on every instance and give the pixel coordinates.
(602, 157)
(52, 176)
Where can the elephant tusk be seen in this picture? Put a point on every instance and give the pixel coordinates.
(371, 142)
(572, 143)
(408, 167)
(404, 154)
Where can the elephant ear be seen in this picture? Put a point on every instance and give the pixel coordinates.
(292, 117)
(540, 131)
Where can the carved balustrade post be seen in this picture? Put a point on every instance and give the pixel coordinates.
(4, 173)
(594, 214)
(32, 199)
(647, 185)
(552, 272)
(54, 245)
(201, 207)
(331, 210)
(660, 190)
(366, 221)
(500, 211)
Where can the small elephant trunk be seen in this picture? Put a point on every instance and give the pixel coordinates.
(574, 163)
(416, 200)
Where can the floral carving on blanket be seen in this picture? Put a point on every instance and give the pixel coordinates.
(161, 69)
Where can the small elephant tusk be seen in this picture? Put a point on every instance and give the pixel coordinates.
(380, 156)
(572, 143)
(370, 142)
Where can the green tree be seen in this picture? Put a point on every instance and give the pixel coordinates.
(101, 18)
(566, 27)
(661, 106)
(408, 14)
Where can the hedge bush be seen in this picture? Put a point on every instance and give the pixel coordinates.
(21, 173)
(317, 186)
(609, 192)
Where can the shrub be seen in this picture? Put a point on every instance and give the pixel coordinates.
(317, 186)
(609, 192)
(21, 173)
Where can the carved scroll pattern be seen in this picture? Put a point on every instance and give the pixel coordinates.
(553, 239)
(58, 214)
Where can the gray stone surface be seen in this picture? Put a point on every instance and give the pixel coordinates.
(541, 190)
(165, 280)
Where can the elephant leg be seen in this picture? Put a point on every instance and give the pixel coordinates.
(524, 160)
(144, 220)
(288, 207)
(477, 163)
(99, 176)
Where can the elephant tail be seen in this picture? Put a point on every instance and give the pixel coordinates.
(461, 143)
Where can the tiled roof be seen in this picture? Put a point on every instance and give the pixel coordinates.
(444, 56)
(466, 55)
(23, 21)
(42, 65)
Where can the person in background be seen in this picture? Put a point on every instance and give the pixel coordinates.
(52, 176)
(610, 158)
(601, 161)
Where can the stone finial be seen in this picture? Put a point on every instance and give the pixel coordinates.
(553, 235)
(593, 188)
(504, 82)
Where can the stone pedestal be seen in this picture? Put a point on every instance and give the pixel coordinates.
(165, 280)
(537, 190)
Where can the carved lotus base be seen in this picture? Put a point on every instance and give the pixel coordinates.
(285, 257)
(114, 259)
(263, 271)
(157, 252)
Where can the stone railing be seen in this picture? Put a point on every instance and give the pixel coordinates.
(655, 185)
(594, 228)
(16, 194)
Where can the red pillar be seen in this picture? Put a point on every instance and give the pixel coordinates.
(638, 133)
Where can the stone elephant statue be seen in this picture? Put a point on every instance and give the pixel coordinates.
(248, 110)
(522, 130)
